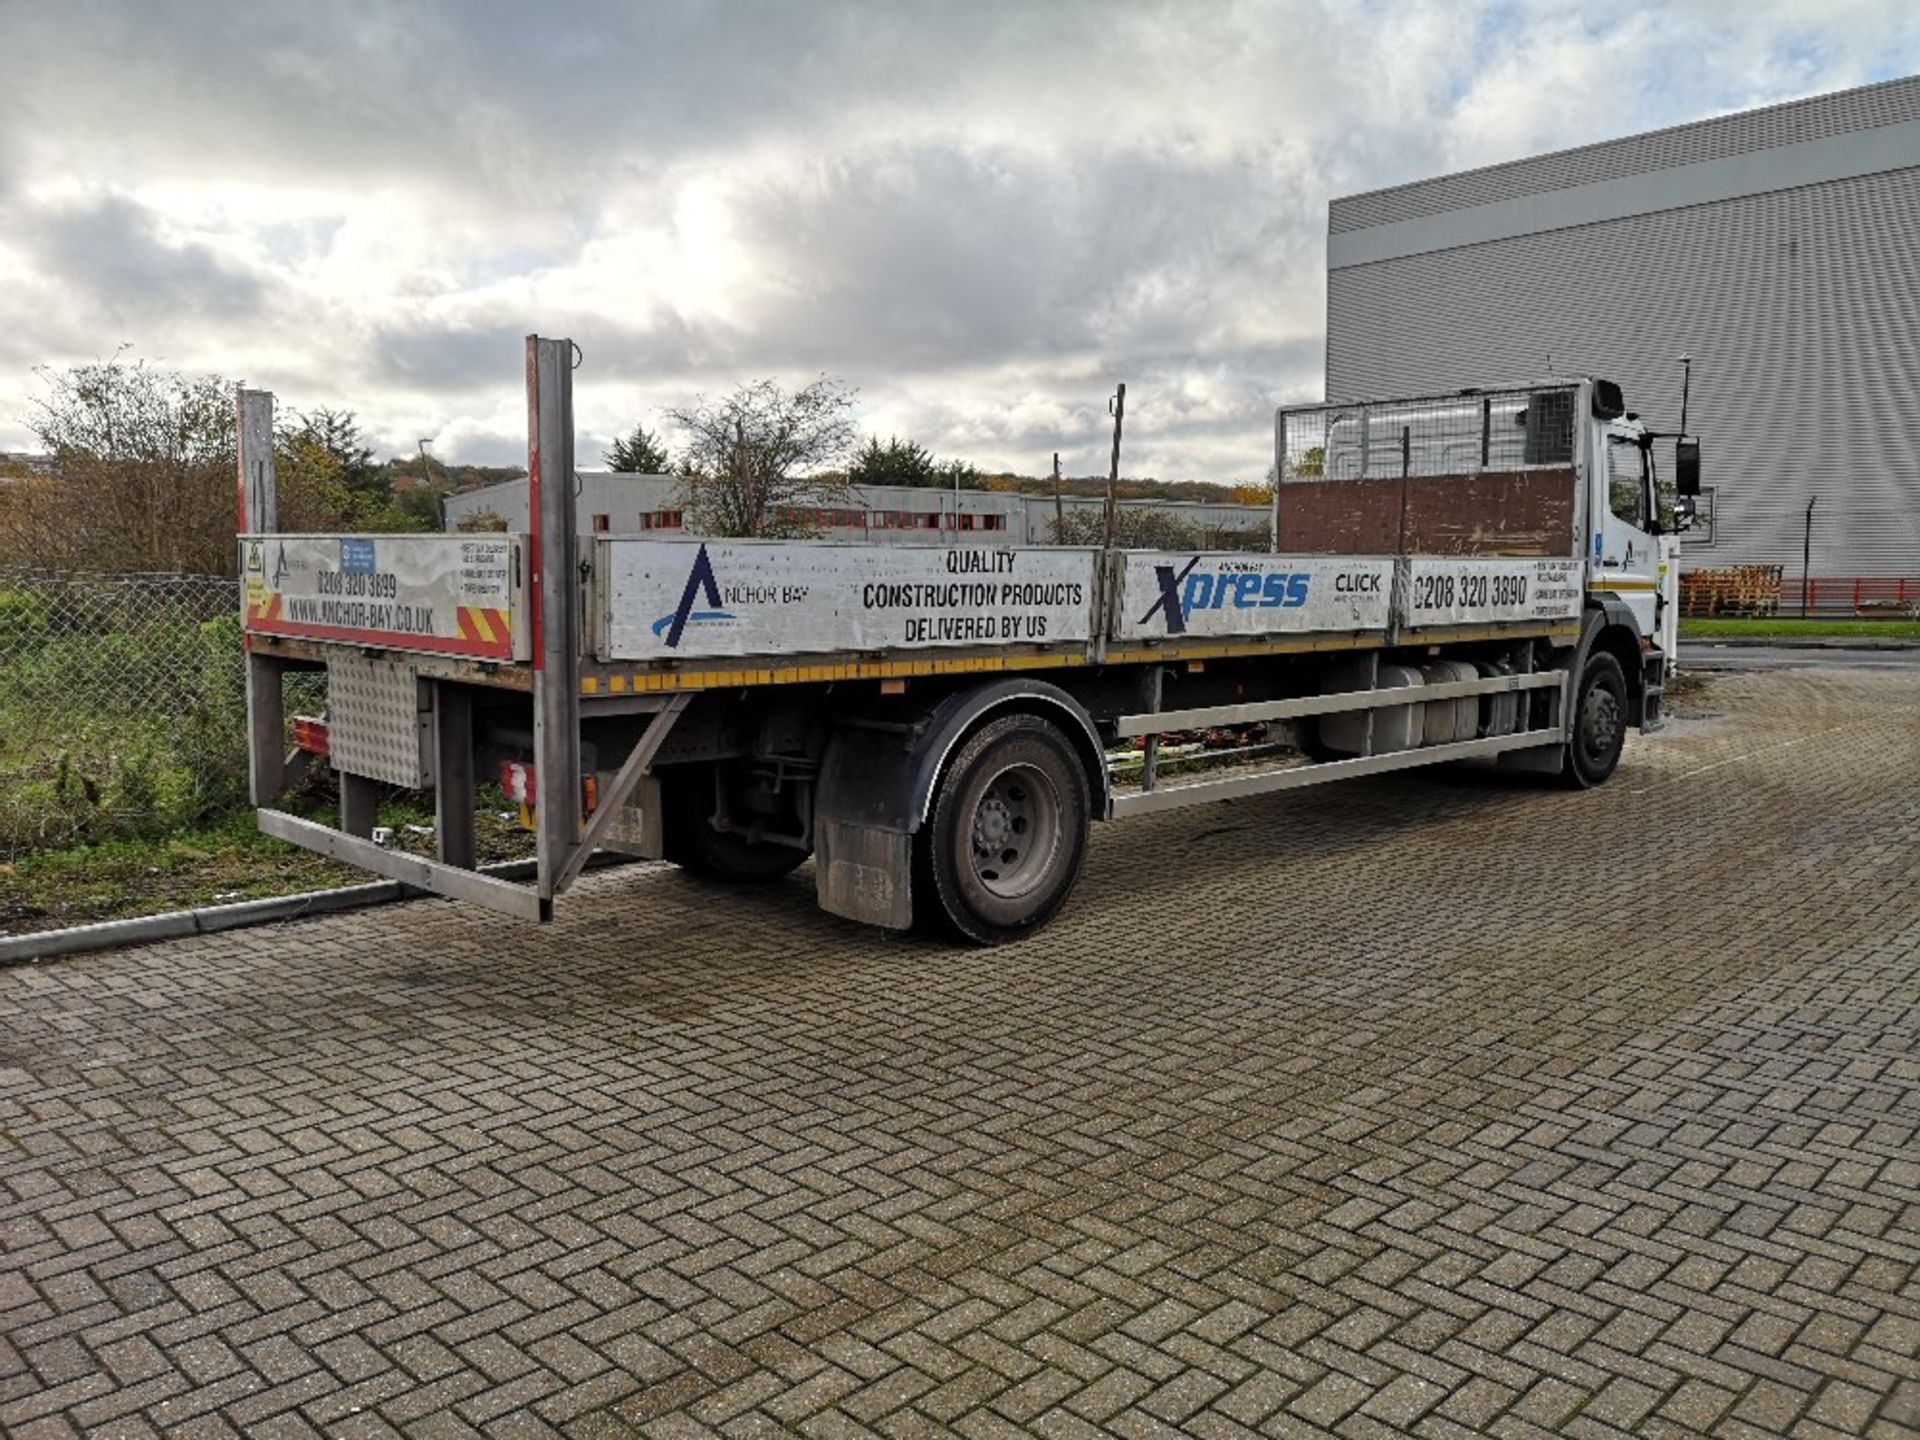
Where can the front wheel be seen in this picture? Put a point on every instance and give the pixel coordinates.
(1007, 835)
(1599, 730)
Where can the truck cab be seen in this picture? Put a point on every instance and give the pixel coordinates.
(1633, 570)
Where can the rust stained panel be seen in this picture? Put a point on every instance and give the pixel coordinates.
(1519, 512)
(1340, 517)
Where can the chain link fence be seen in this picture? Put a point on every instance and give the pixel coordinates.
(122, 705)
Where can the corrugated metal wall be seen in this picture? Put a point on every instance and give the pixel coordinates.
(1888, 103)
(1800, 307)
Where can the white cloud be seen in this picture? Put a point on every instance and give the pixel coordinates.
(981, 216)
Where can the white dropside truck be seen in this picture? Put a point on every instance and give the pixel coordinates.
(1471, 577)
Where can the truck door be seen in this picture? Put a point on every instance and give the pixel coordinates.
(1626, 553)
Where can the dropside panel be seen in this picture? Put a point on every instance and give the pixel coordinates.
(1443, 592)
(686, 599)
(1166, 594)
(434, 594)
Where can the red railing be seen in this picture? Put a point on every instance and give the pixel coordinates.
(1894, 599)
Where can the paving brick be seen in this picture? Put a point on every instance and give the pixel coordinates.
(1331, 1399)
(1383, 1110)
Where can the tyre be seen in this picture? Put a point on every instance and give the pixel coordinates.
(1007, 834)
(1599, 729)
(699, 849)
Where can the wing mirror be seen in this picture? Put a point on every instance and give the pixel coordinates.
(1686, 468)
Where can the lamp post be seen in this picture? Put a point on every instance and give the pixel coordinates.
(1806, 558)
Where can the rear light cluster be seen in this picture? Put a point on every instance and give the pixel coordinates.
(521, 784)
(310, 735)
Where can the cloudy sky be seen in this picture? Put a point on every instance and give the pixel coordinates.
(979, 214)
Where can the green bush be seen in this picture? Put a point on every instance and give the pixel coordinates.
(131, 732)
(136, 792)
(23, 621)
(210, 743)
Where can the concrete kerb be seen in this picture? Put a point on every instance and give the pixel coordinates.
(211, 919)
(1797, 642)
(206, 920)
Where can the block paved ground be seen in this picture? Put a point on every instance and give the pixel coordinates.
(1422, 1106)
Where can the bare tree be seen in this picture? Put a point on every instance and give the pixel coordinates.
(143, 473)
(759, 460)
(128, 410)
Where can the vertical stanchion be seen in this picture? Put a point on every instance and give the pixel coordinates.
(1279, 477)
(553, 545)
(259, 515)
(1118, 406)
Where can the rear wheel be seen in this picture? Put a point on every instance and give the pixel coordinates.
(1007, 835)
(724, 855)
(1599, 730)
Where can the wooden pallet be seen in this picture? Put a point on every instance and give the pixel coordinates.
(1736, 590)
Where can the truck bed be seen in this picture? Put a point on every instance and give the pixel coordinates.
(689, 614)
(1437, 539)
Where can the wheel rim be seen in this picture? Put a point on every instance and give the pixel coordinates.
(1600, 724)
(1015, 831)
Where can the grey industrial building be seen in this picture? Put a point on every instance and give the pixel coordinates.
(1780, 248)
(612, 503)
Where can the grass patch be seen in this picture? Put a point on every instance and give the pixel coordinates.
(213, 864)
(133, 734)
(116, 879)
(1784, 628)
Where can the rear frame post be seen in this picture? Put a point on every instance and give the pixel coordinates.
(359, 804)
(453, 776)
(267, 776)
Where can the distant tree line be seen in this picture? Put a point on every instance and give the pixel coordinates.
(144, 475)
(760, 460)
(144, 462)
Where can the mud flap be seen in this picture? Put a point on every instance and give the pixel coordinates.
(862, 872)
(863, 823)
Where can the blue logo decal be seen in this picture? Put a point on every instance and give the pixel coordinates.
(1169, 603)
(356, 557)
(1191, 589)
(700, 584)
